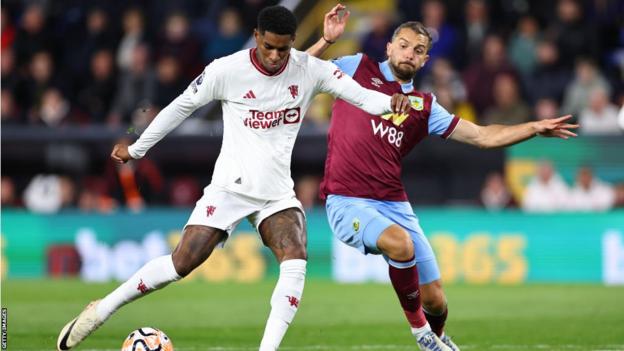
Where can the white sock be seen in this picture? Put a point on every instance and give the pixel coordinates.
(154, 275)
(284, 303)
(418, 332)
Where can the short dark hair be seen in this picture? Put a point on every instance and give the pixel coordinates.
(418, 28)
(277, 19)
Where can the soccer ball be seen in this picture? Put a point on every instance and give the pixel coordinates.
(147, 339)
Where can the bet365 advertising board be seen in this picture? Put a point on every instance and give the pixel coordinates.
(472, 246)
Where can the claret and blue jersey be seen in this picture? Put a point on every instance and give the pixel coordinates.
(365, 151)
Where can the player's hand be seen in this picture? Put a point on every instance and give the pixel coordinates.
(335, 22)
(400, 103)
(120, 154)
(556, 127)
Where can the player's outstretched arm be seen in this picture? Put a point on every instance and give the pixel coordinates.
(496, 135)
(333, 26)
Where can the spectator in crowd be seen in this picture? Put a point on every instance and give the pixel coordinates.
(41, 77)
(7, 30)
(546, 108)
(601, 116)
(495, 195)
(178, 41)
(546, 192)
(8, 192)
(133, 36)
(523, 45)
(590, 193)
(169, 82)
(480, 76)
(136, 88)
(444, 36)
(571, 33)
(307, 191)
(549, 78)
(32, 36)
(509, 108)
(9, 112)
(96, 96)
(55, 110)
(442, 74)
(96, 36)
(229, 38)
(587, 78)
(184, 191)
(135, 183)
(374, 43)
(49, 193)
(475, 29)
(7, 69)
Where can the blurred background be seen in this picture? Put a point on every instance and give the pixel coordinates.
(79, 76)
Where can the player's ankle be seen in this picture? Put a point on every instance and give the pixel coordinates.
(420, 331)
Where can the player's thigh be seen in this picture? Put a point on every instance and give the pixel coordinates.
(285, 233)
(195, 247)
(356, 222)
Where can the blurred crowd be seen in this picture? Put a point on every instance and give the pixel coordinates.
(117, 63)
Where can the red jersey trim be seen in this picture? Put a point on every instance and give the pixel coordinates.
(258, 65)
(451, 127)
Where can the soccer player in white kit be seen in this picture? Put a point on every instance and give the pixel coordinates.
(264, 92)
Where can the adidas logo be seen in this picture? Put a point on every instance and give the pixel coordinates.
(250, 95)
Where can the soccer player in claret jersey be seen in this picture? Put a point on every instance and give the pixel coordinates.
(264, 92)
(366, 204)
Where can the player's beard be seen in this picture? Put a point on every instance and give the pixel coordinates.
(404, 72)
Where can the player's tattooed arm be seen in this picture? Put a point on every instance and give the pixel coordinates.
(499, 135)
(333, 26)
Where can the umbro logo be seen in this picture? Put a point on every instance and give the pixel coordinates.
(376, 82)
(250, 95)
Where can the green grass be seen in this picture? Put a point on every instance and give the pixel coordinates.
(230, 317)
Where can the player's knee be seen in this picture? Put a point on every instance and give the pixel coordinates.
(183, 264)
(396, 243)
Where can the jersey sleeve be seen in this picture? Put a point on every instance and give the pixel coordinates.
(332, 80)
(205, 88)
(441, 122)
(348, 64)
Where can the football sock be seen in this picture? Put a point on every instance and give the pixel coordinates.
(405, 282)
(284, 303)
(155, 274)
(436, 321)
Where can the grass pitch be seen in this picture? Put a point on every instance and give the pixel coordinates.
(230, 317)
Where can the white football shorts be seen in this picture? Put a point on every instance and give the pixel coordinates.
(222, 209)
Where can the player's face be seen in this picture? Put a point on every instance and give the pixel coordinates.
(273, 49)
(407, 53)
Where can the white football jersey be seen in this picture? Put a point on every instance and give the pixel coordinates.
(262, 114)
